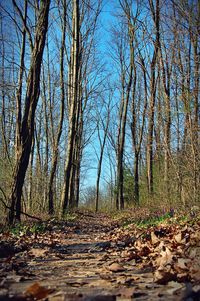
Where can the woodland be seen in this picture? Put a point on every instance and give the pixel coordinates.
(100, 149)
(122, 110)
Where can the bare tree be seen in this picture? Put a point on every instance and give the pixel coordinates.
(60, 125)
(102, 141)
(73, 86)
(26, 125)
(155, 10)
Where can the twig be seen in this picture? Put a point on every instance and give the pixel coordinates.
(24, 213)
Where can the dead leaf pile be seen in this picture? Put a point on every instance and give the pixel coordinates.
(94, 254)
(173, 251)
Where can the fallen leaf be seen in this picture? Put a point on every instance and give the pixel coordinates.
(166, 258)
(14, 277)
(99, 283)
(178, 238)
(154, 238)
(195, 271)
(116, 267)
(183, 277)
(126, 292)
(181, 264)
(99, 298)
(173, 287)
(145, 251)
(164, 276)
(37, 291)
(36, 252)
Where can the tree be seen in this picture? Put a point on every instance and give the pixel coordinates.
(102, 142)
(149, 156)
(25, 124)
(80, 89)
(60, 125)
(73, 86)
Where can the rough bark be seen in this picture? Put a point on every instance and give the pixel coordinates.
(27, 124)
(149, 156)
(126, 84)
(102, 147)
(72, 104)
(51, 205)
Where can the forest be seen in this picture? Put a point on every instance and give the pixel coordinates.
(99, 150)
(99, 105)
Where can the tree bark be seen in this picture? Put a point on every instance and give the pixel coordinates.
(102, 147)
(51, 205)
(149, 156)
(27, 124)
(72, 104)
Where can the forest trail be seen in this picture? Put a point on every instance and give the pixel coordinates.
(91, 258)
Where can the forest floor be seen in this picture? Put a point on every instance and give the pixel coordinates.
(93, 257)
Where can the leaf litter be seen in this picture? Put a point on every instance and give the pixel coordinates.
(95, 258)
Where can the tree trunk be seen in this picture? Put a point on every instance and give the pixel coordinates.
(136, 179)
(156, 18)
(27, 126)
(72, 104)
(51, 204)
(102, 145)
(149, 154)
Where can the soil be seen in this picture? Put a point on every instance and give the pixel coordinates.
(80, 260)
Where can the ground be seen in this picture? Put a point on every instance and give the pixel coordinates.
(94, 257)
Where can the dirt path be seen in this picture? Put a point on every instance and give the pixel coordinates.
(85, 260)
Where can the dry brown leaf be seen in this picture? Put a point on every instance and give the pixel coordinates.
(193, 252)
(126, 292)
(173, 287)
(181, 264)
(160, 246)
(14, 277)
(166, 258)
(37, 291)
(195, 271)
(99, 283)
(154, 238)
(164, 276)
(138, 244)
(196, 276)
(178, 238)
(145, 251)
(183, 277)
(116, 267)
(36, 252)
(98, 298)
(196, 236)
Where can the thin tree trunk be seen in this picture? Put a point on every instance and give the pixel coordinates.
(60, 126)
(5, 139)
(155, 14)
(102, 145)
(27, 125)
(30, 192)
(151, 127)
(19, 89)
(72, 105)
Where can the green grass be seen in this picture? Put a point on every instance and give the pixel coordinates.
(27, 229)
(70, 216)
(155, 220)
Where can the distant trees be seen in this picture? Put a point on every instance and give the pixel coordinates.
(156, 96)
(62, 97)
(83, 27)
